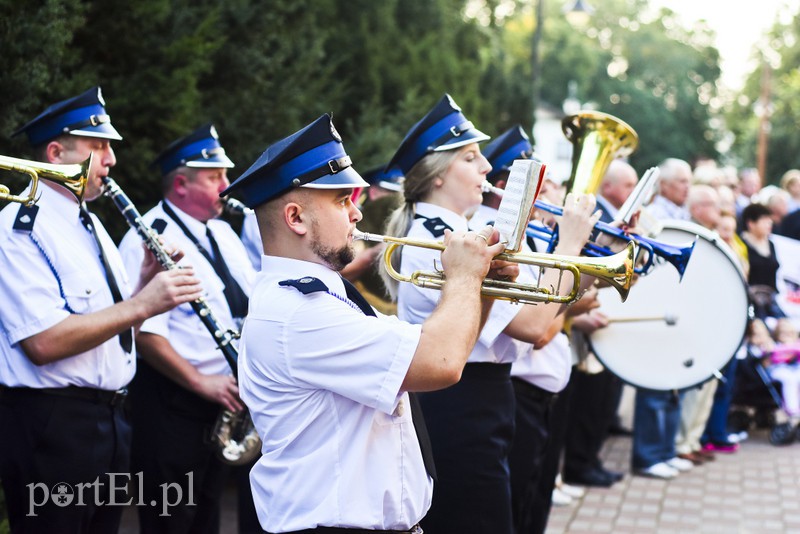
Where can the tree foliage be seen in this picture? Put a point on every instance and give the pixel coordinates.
(259, 71)
(779, 53)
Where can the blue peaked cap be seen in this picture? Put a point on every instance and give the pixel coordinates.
(502, 151)
(84, 115)
(391, 179)
(199, 149)
(444, 128)
(313, 157)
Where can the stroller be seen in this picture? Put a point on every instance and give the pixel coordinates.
(756, 399)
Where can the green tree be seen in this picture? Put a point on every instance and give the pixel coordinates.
(781, 48)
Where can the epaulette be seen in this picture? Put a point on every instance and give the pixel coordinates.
(305, 285)
(436, 226)
(26, 216)
(159, 225)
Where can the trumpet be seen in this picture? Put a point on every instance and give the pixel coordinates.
(676, 255)
(73, 177)
(616, 270)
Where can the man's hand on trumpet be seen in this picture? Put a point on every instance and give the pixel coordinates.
(469, 254)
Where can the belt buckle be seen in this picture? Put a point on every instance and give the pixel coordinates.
(119, 396)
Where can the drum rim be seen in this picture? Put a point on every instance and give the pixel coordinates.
(714, 238)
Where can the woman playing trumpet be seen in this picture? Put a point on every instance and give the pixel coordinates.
(471, 423)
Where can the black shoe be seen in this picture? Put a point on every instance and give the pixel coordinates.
(589, 477)
(619, 430)
(613, 475)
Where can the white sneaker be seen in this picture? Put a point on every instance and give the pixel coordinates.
(680, 464)
(573, 491)
(560, 498)
(659, 470)
(737, 437)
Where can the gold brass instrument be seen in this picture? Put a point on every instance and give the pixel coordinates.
(616, 270)
(597, 139)
(73, 177)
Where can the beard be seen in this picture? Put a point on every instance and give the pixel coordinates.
(335, 258)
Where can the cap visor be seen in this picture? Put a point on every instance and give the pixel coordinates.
(348, 177)
(472, 135)
(101, 131)
(217, 162)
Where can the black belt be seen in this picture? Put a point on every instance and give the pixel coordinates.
(535, 392)
(416, 529)
(97, 396)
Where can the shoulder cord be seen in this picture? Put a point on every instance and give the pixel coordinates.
(345, 300)
(55, 273)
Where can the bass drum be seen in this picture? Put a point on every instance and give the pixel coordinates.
(671, 333)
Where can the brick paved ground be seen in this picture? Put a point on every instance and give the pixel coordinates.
(755, 490)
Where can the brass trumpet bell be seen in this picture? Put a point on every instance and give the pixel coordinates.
(73, 177)
(616, 270)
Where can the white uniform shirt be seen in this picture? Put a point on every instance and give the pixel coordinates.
(251, 238)
(181, 326)
(549, 367)
(415, 304)
(322, 383)
(32, 301)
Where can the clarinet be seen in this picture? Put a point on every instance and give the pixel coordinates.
(234, 433)
(235, 207)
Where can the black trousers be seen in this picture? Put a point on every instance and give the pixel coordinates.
(531, 436)
(471, 425)
(534, 521)
(595, 400)
(181, 473)
(48, 440)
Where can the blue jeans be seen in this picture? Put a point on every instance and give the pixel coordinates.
(656, 417)
(717, 425)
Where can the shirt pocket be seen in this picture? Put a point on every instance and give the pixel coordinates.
(84, 294)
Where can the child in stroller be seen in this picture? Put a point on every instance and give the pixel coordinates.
(783, 367)
(757, 395)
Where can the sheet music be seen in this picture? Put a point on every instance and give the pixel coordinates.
(641, 193)
(522, 188)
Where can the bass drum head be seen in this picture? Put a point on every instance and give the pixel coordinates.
(694, 326)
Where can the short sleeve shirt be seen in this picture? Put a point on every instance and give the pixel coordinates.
(322, 381)
(48, 273)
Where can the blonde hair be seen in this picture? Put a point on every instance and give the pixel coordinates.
(418, 185)
(789, 177)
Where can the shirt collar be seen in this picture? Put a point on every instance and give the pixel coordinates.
(457, 222)
(483, 216)
(196, 227)
(281, 268)
(64, 205)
